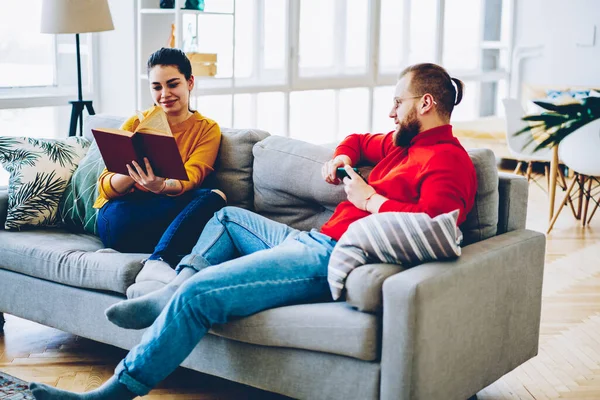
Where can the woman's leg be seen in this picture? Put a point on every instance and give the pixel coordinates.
(231, 233)
(183, 232)
(135, 223)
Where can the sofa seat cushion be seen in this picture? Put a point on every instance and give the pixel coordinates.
(327, 327)
(68, 258)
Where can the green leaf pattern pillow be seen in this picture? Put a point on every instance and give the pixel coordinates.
(76, 208)
(39, 172)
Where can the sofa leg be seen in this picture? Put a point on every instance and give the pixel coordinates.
(2, 321)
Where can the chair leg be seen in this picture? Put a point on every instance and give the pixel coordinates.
(547, 175)
(518, 168)
(562, 204)
(594, 211)
(587, 196)
(581, 181)
(529, 168)
(563, 186)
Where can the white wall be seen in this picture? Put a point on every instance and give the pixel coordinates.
(115, 72)
(559, 25)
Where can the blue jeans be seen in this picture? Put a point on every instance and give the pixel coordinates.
(166, 226)
(246, 263)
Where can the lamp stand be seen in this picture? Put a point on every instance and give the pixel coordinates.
(80, 104)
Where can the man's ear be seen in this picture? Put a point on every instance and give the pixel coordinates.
(427, 104)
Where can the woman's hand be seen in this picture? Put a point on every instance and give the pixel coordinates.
(329, 169)
(357, 190)
(146, 179)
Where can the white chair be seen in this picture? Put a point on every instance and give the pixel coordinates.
(521, 148)
(579, 152)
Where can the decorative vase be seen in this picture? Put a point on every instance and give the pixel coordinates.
(194, 5)
(167, 3)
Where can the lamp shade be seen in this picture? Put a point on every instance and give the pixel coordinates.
(76, 16)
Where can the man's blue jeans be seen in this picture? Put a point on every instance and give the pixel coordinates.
(166, 226)
(246, 263)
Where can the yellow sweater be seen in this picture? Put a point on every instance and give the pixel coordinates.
(198, 139)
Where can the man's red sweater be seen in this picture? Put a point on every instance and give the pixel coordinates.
(434, 175)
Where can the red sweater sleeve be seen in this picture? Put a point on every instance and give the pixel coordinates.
(365, 147)
(444, 188)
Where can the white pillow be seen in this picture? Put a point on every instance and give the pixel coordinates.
(39, 172)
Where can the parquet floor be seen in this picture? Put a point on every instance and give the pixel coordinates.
(568, 364)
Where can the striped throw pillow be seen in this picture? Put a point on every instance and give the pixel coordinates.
(407, 239)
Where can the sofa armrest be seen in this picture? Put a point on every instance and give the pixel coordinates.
(456, 327)
(3, 205)
(363, 286)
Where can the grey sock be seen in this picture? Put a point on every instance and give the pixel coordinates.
(141, 312)
(110, 390)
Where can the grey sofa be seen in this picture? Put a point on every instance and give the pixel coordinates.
(442, 330)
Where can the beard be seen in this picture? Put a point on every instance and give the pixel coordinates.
(408, 128)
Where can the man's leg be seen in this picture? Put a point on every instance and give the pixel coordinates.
(292, 273)
(231, 233)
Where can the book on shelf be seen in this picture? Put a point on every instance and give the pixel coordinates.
(152, 139)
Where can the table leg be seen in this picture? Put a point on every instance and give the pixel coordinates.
(553, 176)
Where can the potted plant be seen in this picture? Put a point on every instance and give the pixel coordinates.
(561, 120)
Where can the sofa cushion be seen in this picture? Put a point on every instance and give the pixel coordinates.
(101, 121)
(39, 172)
(288, 186)
(69, 258)
(3, 205)
(327, 327)
(407, 239)
(233, 168)
(482, 220)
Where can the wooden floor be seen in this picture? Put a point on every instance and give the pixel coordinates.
(568, 364)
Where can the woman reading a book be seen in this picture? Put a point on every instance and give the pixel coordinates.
(144, 213)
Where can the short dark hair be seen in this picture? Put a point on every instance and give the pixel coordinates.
(435, 80)
(174, 57)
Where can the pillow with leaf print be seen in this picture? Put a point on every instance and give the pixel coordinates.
(39, 172)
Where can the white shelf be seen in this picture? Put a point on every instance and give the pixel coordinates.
(183, 11)
(157, 11)
(187, 11)
(154, 25)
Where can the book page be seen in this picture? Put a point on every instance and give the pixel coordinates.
(155, 122)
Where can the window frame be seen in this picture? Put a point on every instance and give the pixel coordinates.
(373, 76)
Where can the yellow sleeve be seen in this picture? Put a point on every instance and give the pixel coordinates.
(203, 157)
(105, 189)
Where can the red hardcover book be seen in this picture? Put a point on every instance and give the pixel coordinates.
(152, 139)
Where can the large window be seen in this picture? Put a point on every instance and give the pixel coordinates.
(38, 73)
(320, 70)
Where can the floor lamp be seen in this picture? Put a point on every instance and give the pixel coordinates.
(76, 16)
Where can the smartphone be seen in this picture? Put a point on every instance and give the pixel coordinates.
(341, 173)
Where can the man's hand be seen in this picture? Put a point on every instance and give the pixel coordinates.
(357, 190)
(329, 169)
(146, 179)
